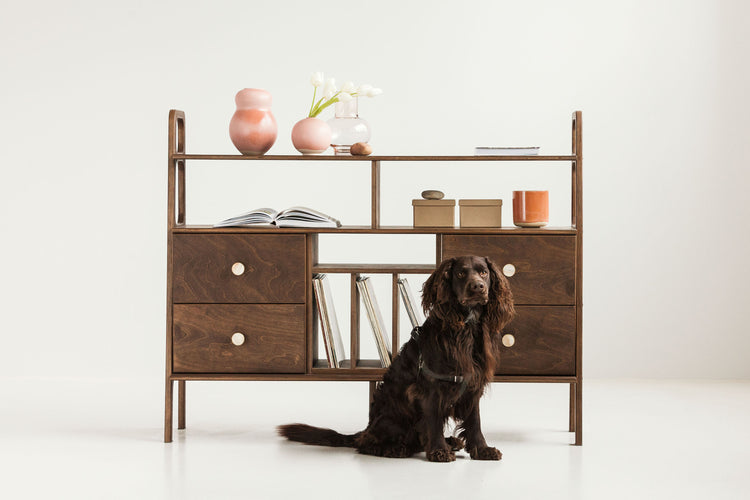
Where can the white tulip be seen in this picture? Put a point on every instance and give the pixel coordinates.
(373, 92)
(316, 79)
(349, 88)
(345, 97)
(362, 89)
(330, 88)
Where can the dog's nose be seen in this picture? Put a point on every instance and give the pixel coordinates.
(477, 286)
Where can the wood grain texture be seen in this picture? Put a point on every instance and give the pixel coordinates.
(274, 338)
(545, 342)
(545, 265)
(274, 268)
(203, 228)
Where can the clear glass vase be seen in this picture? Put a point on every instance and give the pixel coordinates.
(347, 127)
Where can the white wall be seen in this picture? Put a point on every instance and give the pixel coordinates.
(87, 85)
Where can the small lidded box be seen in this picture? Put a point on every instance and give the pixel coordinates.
(481, 213)
(434, 213)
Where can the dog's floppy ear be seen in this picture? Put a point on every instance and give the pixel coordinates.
(500, 309)
(437, 288)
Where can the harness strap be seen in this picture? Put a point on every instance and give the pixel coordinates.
(423, 368)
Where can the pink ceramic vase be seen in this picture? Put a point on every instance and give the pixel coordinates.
(311, 136)
(253, 126)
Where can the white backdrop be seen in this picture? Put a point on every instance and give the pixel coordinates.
(87, 86)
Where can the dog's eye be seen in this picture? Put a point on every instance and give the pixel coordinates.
(483, 272)
(461, 275)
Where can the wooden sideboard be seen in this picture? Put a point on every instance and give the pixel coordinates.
(240, 302)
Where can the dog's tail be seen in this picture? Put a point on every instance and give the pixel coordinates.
(317, 435)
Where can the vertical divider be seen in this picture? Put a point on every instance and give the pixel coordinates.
(181, 192)
(311, 312)
(375, 194)
(354, 320)
(395, 343)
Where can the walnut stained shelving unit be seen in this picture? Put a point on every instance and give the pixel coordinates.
(256, 320)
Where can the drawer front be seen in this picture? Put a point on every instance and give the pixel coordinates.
(273, 338)
(544, 265)
(545, 342)
(239, 268)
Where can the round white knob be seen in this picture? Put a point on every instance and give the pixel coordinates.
(508, 340)
(238, 268)
(238, 338)
(509, 270)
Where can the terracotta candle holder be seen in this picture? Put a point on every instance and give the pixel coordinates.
(530, 208)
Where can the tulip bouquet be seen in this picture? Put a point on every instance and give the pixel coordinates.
(332, 94)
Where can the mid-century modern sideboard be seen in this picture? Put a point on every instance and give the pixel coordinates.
(240, 302)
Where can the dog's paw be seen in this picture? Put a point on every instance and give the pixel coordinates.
(487, 453)
(441, 456)
(400, 451)
(455, 443)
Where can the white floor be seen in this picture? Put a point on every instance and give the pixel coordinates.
(83, 439)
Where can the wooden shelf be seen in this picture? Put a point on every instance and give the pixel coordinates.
(414, 158)
(346, 374)
(374, 268)
(202, 228)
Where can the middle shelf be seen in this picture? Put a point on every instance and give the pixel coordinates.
(204, 228)
(374, 268)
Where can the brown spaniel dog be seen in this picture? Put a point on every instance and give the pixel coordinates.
(440, 373)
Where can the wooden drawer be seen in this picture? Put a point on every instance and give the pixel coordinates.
(272, 268)
(274, 338)
(545, 342)
(544, 265)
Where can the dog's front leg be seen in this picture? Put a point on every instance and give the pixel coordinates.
(436, 447)
(476, 445)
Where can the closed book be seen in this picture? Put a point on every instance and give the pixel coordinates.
(382, 340)
(506, 151)
(329, 324)
(410, 303)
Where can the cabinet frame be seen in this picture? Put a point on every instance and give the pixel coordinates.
(176, 224)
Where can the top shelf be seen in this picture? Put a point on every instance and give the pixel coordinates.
(183, 156)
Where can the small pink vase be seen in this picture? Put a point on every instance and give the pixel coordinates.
(253, 127)
(311, 136)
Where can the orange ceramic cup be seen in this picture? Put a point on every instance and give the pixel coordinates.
(530, 208)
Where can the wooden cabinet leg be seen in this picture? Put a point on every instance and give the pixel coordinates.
(572, 418)
(181, 404)
(168, 412)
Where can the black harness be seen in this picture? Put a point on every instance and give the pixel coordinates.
(423, 368)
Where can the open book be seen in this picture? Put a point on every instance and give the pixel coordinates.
(291, 217)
